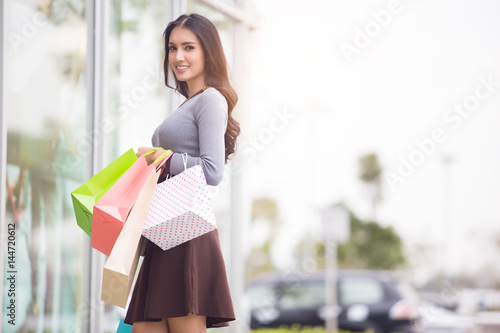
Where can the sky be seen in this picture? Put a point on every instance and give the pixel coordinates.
(418, 83)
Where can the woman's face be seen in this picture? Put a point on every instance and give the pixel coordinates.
(186, 58)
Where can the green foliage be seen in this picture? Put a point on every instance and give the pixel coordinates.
(298, 328)
(370, 172)
(371, 246)
(369, 168)
(295, 328)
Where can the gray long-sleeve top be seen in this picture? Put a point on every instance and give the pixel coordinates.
(197, 128)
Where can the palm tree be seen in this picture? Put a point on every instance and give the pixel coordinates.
(370, 172)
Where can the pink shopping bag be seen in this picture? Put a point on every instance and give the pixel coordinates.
(181, 209)
(119, 270)
(112, 210)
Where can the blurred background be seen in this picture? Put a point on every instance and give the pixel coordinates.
(385, 111)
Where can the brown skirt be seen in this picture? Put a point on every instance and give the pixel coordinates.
(189, 278)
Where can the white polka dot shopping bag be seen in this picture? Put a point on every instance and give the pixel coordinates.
(181, 209)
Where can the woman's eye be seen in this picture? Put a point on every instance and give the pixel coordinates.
(172, 48)
(189, 48)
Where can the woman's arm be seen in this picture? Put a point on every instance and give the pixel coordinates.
(211, 122)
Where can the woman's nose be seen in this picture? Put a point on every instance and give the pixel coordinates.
(179, 55)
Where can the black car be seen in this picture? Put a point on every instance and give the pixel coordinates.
(367, 300)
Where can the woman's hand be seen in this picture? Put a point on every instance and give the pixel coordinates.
(150, 158)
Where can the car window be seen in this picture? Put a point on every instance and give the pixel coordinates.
(360, 290)
(262, 296)
(303, 294)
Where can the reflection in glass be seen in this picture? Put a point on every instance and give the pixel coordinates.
(48, 146)
(45, 108)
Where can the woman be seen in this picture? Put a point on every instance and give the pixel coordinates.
(185, 289)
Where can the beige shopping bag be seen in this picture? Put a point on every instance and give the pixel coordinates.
(119, 269)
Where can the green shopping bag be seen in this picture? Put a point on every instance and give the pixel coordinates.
(85, 196)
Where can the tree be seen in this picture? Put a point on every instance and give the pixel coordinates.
(265, 214)
(370, 246)
(370, 172)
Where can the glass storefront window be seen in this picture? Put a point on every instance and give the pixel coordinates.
(137, 99)
(44, 105)
(49, 147)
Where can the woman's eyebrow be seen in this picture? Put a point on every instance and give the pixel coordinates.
(185, 43)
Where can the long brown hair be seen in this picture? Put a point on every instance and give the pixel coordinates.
(215, 68)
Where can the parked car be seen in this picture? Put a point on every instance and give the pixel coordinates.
(366, 300)
(438, 319)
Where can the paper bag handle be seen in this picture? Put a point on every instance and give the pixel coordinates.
(152, 150)
(160, 161)
(184, 160)
(162, 158)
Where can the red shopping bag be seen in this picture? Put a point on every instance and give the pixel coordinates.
(112, 210)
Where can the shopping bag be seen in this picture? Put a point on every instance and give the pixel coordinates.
(112, 210)
(181, 209)
(119, 269)
(123, 327)
(85, 196)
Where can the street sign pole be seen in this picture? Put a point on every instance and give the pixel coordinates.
(331, 284)
(336, 225)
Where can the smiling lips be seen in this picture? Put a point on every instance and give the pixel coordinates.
(181, 69)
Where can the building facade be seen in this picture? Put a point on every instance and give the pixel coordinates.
(82, 83)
